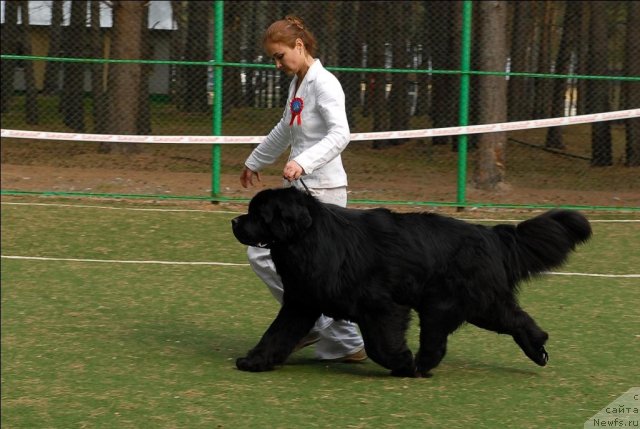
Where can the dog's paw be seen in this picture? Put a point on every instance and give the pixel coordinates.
(544, 357)
(252, 365)
(423, 374)
(405, 372)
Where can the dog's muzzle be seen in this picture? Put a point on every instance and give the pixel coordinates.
(242, 236)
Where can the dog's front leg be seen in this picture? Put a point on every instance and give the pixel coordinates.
(277, 343)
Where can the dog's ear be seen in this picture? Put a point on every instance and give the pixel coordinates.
(291, 221)
(267, 212)
(261, 205)
(297, 215)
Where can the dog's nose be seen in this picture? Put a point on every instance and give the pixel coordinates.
(234, 221)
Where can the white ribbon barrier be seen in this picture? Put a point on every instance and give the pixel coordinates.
(385, 135)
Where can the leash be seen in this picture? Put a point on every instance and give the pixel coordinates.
(333, 213)
(305, 186)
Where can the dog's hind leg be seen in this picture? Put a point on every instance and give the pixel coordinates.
(435, 326)
(384, 335)
(520, 325)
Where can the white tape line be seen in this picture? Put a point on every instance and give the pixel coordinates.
(471, 220)
(37, 258)
(625, 276)
(113, 261)
(430, 132)
(83, 206)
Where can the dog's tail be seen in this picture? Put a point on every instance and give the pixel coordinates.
(542, 243)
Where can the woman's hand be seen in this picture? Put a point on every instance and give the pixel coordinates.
(247, 175)
(292, 171)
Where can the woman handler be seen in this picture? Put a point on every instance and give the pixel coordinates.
(314, 125)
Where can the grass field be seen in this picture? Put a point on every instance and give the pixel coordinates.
(90, 344)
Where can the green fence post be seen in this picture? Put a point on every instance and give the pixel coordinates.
(218, 45)
(465, 67)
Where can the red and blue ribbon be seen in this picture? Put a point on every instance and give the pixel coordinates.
(296, 109)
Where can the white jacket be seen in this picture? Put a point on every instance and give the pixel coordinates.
(317, 142)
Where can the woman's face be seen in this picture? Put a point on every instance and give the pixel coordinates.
(287, 59)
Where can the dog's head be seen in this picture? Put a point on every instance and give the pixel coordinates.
(276, 216)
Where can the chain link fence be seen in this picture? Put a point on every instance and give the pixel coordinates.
(150, 68)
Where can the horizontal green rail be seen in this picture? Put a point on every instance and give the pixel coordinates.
(341, 69)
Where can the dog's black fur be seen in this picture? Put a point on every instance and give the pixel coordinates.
(373, 266)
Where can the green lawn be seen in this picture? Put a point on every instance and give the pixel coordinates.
(117, 345)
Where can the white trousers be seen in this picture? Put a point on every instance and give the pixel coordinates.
(338, 338)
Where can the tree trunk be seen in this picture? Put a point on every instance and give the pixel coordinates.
(263, 10)
(350, 55)
(71, 100)
(398, 98)
(544, 87)
(247, 47)
(99, 111)
(583, 56)
(31, 92)
(490, 166)
(327, 38)
(233, 12)
(178, 41)
(196, 49)
(560, 86)
(10, 46)
(424, 35)
(146, 52)
(597, 93)
(312, 12)
(376, 52)
(125, 78)
(521, 88)
(632, 89)
(52, 70)
(445, 51)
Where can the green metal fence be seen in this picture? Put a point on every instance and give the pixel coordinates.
(403, 65)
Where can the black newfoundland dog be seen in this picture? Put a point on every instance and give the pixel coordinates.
(372, 266)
